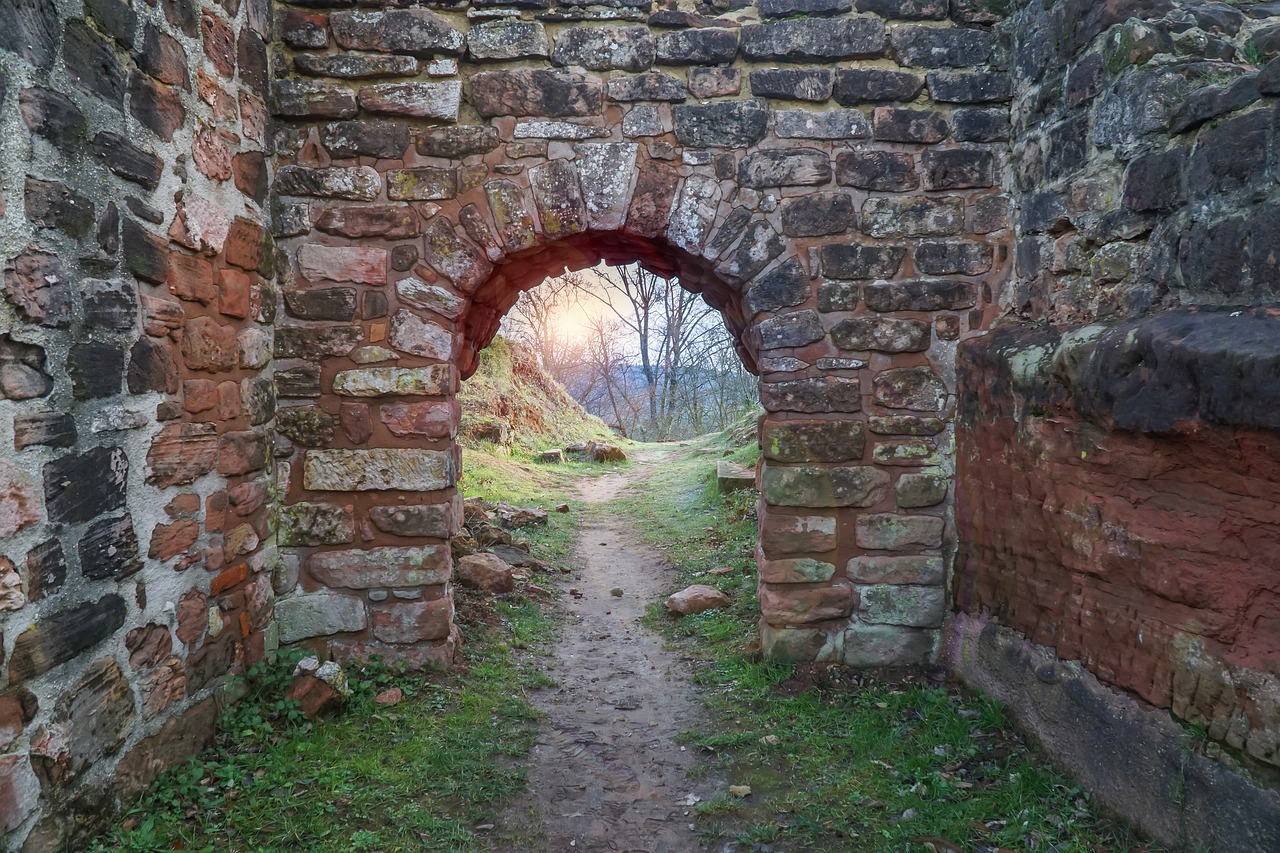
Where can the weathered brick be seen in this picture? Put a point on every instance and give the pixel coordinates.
(795, 329)
(708, 46)
(889, 532)
(958, 168)
(182, 453)
(535, 93)
(912, 217)
(828, 394)
(891, 124)
(921, 295)
(857, 86)
(795, 84)
(915, 388)
(809, 39)
(416, 566)
(881, 334)
(812, 441)
(605, 48)
(416, 32)
(878, 171)
(416, 100)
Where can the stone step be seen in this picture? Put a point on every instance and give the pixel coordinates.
(732, 477)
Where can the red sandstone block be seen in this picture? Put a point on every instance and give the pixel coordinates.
(431, 420)
(219, 44)
(244, 244)
(184, 504)
(191, 278)
(191, 617)
(170, 540)
(228, 578)
(362, 265)
(233, 298)
(412, 621)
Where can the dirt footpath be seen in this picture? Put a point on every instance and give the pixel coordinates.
(607, 773)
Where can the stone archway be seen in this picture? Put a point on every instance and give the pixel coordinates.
(847, 256)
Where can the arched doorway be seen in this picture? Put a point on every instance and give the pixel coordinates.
(815, 274)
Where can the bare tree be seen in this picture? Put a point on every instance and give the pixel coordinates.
(656, 361)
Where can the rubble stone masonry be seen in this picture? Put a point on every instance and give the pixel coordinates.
(209, 206)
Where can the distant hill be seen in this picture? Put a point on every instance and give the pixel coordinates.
(510, 390)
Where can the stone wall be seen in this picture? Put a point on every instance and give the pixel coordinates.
(134, 409)
(827, 177)
(1117, 456)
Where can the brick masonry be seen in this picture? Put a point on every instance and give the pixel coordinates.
(807, 176)
(135, 341)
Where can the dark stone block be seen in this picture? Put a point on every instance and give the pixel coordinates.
(922, 295)
(958, 168)
(938, 47)
(92, 63)
(788, 167)
(325, 303)
(728, 231)
(828, 394)
(301, 381)
(1231, 156)
(50, 429)
(46, 569)
(952, 258)
(795, 84)
(913, 388)
(31, 31)
(970, 88)
(1213, 258)
(316, 342)
(403, 257)
(814, 40)
(309, 426)
(881, 334)
(258, 399)
(760, 245)
(52, 115)
(147, 254)
(163, 58)
(1210, 102)
(1045, 213)
(725, 124)
(647, 87)
(115, 19)
(182, 14)
(979, 125)
(95, 368)
(144, 211)
(797, 329)
(812, 441)
(251, 58)
(857, 86)
(151, 368)
(698, 47)
(818, 214)
(22, 370)
(535, 93)
(785, 285)
(1264, 250)
(1162, 372)
(107, 232)
(787, 8)
(81, 487)
(898, 125)
(1085, 81)
(906, 10)
(1067, 145)
(384, 140)
(50, 204)
(1157, 181)
(373, 305)
(59, 637)
(109, 549)
(879, 171)
(156, 106)
(857, 262)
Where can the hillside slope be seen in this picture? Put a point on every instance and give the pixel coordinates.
(510, 388)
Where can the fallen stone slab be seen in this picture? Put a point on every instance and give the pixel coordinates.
(696, 599)
(486, 572)
(732, 477)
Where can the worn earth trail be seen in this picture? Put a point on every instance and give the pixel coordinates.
(607, 772)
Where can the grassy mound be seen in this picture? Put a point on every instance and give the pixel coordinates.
(511, 388)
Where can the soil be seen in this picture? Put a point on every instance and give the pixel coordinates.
(607, 772)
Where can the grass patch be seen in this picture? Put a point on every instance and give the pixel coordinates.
(838, 759)
(420, 776)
